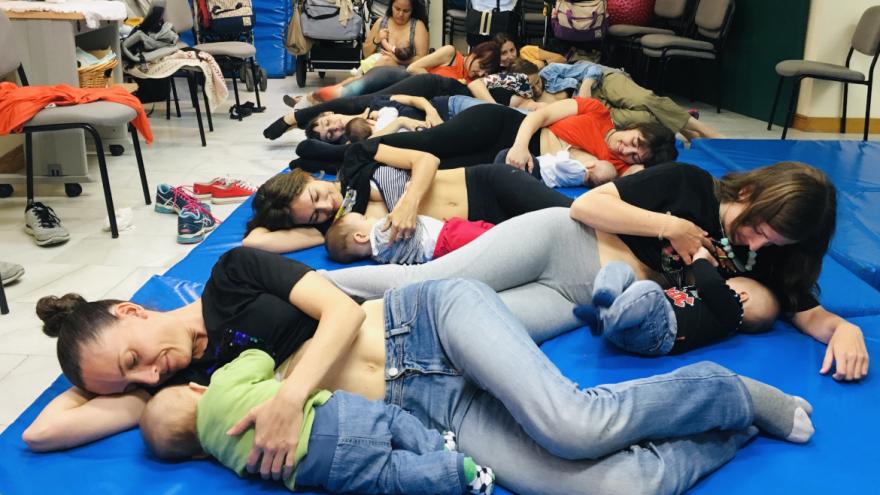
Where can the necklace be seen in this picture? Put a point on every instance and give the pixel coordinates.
(727, 246)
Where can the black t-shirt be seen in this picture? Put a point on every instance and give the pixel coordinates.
(688, 192)
(246, 305)
(705, 312)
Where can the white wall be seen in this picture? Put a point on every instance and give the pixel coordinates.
(829, 33)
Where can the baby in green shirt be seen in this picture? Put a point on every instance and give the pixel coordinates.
(188, 420)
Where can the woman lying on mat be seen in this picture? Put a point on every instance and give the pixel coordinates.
(628, 102)
(773, 224)
(448, 351)
(445, 62)
(514, 89)
(581, 126)
(293, 211)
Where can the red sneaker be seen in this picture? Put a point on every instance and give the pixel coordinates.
(204, 190)
(233, 191)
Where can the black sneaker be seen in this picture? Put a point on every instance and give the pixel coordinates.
(43, 224)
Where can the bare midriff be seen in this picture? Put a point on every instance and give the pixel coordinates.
(361, 369)
(612, 248)
(446, 198)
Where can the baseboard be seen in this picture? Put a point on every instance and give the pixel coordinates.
(832, 124)
(12, 161)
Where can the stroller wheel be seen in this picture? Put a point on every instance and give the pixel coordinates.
(264, 79)
(248, 80)
(301, 62)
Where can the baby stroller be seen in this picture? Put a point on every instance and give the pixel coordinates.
(335, 46)
(230, 20)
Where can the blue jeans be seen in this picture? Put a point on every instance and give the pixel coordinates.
(634, 315)
(363, 446)
(457, 359)
(459, 103)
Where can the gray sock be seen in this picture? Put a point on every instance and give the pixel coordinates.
(779, 414)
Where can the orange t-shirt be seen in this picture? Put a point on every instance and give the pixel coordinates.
(454, 71)
(587, 131)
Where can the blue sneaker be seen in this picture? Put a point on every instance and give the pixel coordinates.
(194, 224)
(170, 199)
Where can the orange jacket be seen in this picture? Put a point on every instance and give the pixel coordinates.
(19, 104)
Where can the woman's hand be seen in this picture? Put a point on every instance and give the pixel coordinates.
(384, 34)
(433, 118)
(402, 221)
(413, 124)
(520, 158)
(277, 424)
(686, 237)
(847, 349)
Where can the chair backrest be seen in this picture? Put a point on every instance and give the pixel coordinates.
(670, 9)
(179, 14)
(866, 38)
(9, 58)
(713, 17)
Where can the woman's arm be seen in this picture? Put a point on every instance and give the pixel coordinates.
(76, 417)
(421, 41)
(602, 209)
(400, 123)
(517, 101)
(549, 57)
(519, 155)
(440, 56)
(480, 91)
(431, 115)
(283, 241)
(374, 39)
(402, 219)
(277, 422)
(846, 344)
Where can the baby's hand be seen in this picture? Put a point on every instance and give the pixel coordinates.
(703, 254)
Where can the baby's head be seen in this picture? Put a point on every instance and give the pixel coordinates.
(760, 307)
(404, 53)
(168, 423)
(348, 239)
(358, 129)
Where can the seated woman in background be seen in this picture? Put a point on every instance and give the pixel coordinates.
(293, 211)
(404, 27)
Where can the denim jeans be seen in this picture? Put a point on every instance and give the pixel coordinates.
(460, 103)
(363, 446)
(639, 318)
(457, 359)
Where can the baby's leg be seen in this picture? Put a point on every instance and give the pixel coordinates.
(610, 282)
(640, 320)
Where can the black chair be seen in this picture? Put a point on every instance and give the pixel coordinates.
(866, 39)
(83, 116)
(534, 21)
(453, 17)
(670, 17)
(712, 24)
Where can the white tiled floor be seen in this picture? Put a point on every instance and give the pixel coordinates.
(97, 266)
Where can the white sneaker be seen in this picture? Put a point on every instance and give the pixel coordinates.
(43, 224)
(10, 272)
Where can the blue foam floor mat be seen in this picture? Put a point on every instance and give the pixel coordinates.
(841, 457)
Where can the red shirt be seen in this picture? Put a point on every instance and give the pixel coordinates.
(587, 131)
(455, 71)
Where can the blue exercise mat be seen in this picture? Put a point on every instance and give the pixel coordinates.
(841, 458)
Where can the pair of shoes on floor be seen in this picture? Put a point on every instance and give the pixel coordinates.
(244, 110)
(194, 218)
(223, 190)
(41, 222)
(10, 272)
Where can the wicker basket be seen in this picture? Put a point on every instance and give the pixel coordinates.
(98, 75)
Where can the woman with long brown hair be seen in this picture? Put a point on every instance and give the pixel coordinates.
(773, 224)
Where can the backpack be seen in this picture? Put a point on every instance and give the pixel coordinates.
(225, 17)
(579, 20)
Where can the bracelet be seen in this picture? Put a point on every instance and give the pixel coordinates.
(663, 226)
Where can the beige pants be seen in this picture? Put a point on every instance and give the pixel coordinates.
(630, 103)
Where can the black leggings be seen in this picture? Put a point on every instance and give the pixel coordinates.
(498, 192)
(474, 136)
(424, 85)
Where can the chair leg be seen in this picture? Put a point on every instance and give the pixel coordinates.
(140, 161)
(176, 99)
(29, 165)
(720, 82)
(168, 99)
(661, 80)
(775, 101)
(843, 115)
(867, 113)
(105, 179)
(207, 109)
(190, 79)
(792, 105)
(253, 63)
(4, 306)
(237, 102)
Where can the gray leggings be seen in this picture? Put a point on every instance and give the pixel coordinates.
(542, 264)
